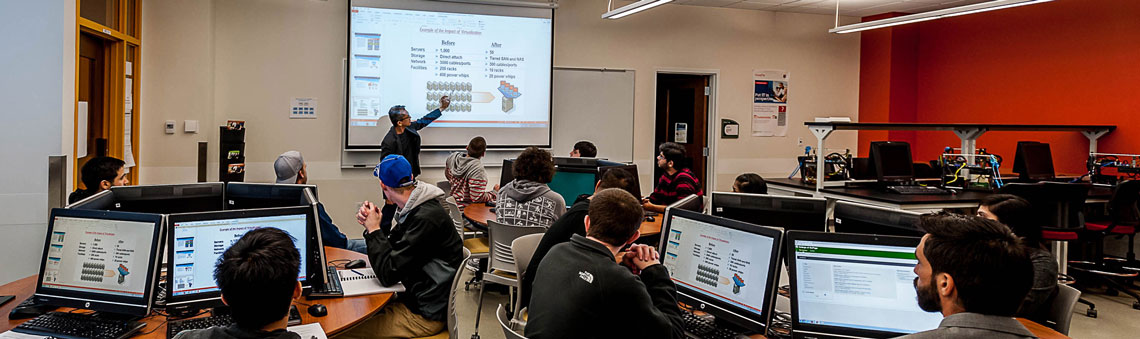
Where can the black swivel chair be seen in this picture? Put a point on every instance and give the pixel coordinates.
(1124, 219)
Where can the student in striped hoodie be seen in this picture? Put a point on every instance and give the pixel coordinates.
(466, 174)
(677, 182)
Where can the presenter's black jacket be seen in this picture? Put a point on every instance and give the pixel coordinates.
(581, 292)
(408, 143)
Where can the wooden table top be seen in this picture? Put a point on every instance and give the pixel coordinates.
(479, 213)
(343, 313)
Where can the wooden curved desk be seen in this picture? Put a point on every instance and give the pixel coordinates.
(479, 213)
(344, 313)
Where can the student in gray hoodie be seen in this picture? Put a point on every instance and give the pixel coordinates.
(466, 175)
(526, 200)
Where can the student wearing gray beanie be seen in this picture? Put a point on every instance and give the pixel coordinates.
(291, 169)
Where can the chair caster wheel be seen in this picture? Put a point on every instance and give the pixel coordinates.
(475, 336)
(1091, 313)
(1136, 305)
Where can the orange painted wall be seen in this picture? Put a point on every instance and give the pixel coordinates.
(1061, 62)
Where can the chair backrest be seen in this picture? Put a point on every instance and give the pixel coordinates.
(523, 249)
(445, 186)
(452, 312)
(1043, 209)
(456, 215)
(502, 235)
(504, 322)
(1061, 312)
(1070, 201)
(1122, 206)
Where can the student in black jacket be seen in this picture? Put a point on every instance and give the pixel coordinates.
(580, 291)
(571, 223)
(421, 250)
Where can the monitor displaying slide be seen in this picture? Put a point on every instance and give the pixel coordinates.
(198, 245)
(495, 68)
(858, 286)
(102, 256)
(725, 264)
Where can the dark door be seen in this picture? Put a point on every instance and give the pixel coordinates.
(682, 117)
(92, 81)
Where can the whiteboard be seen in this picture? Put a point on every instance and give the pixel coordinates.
(587, 104)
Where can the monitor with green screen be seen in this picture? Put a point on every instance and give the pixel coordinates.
(572, 182)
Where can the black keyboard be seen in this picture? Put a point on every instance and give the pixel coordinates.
(330, 289)
(917, 190)
(76, 325)
(174, 327)
(177, 326)
(698, 327)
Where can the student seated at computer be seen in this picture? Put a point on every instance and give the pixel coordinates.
(466, 174)
(677, 182)
(974, 271)
(527, 200)
(98, 175)
(570, 224)
(258, 279)
(750, 183)
(421, 250)
(581, 292)
(291, 169)
(1017, 213)
(584, 149)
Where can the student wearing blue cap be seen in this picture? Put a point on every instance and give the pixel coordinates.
(421, 249)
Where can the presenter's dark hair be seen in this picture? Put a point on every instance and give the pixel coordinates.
(257, 276)
(534, 164)
(586, 149)
(615, 215)
(989, 264)
(99, 169)
(477, 147)
(397, 113)
(673, 152)
(752, 183)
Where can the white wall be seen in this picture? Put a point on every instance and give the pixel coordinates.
(37, 89)
(220, 60)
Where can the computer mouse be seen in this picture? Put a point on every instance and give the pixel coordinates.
(358, 263)
(650, 218)
(490, 204)
(318, 310)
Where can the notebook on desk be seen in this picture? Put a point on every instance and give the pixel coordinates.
(363, 281)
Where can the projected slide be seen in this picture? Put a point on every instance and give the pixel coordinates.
(495, 69)
(101, 256)
(723, 263)
(198, 244)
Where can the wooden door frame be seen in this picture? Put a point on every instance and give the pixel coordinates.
(712, 115)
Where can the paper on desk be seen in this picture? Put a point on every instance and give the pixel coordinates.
(17, 335)
(307, 331)
(364, 281)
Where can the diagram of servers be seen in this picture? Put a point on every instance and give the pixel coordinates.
(710, 275)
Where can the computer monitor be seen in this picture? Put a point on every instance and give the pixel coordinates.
(854, 286)
(692, 203)
(1033, 161)
(166, 199)
(241, 195)
(576, 162)
(892, 161)
(100, 260)
(508, 173)
(198, 239)
(867, 219)
(104, 200)
(635, 186)
(570, 182)
(724, 267)
(791, 213)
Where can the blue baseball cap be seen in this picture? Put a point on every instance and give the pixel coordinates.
(394, 171)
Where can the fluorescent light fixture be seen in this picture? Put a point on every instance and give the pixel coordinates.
(633, 8)
(931, 15)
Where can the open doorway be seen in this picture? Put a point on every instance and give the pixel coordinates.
(682, 116)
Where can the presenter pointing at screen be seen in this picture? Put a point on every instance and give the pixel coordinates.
(404, 139)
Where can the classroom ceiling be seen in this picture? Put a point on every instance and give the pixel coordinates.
(856, 8)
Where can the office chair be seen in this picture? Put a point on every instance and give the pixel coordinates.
(445, 186)
(1061, 312)
(523, 248)
(508, 330)
(1124, 217)
(452, 330)
(501, 267)
(925, 171)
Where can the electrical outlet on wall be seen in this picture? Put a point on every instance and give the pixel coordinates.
(800, 142)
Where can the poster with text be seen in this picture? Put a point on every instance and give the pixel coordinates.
(769, 103)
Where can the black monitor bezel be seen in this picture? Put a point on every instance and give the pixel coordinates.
(507, 174)
(840, 206)
(314, 246)
(1042, 169)
(722, 310)
(231, 194)
(818, 201)
(877, 161)
(870, 239)
(94, 301)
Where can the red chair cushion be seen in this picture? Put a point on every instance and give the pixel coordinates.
(1058, 235)
(1119, 229)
